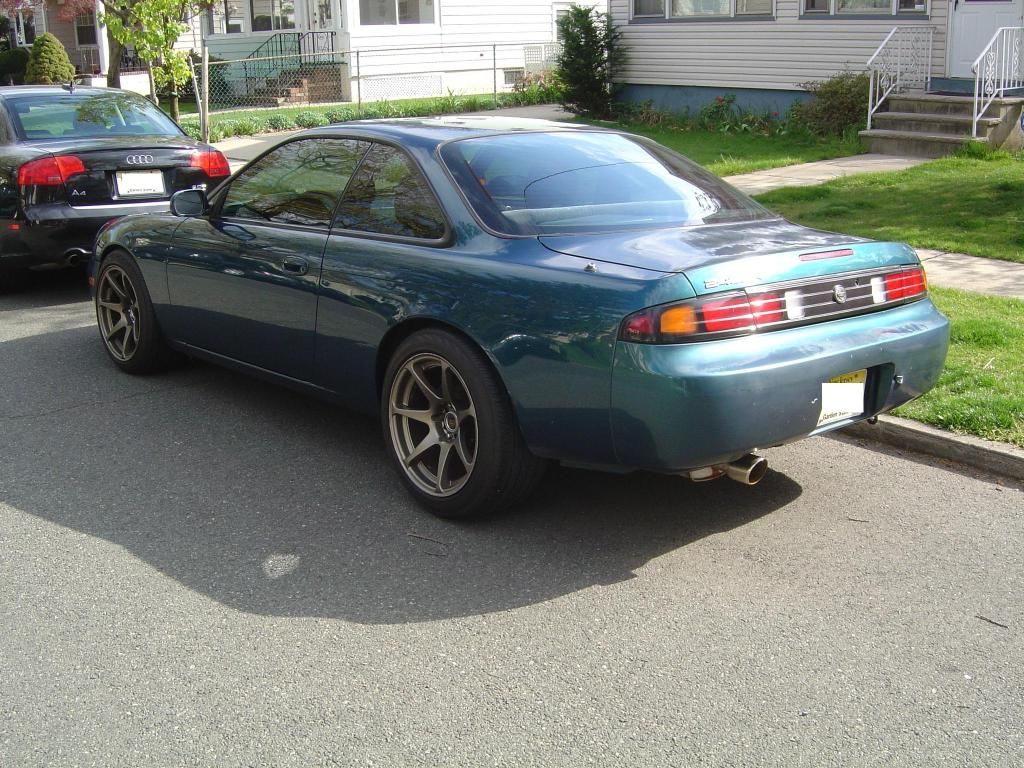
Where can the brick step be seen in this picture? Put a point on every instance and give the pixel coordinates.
(891, 142)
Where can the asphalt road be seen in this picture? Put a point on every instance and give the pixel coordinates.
(198, 569)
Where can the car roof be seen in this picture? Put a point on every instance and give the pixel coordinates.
(427, 131)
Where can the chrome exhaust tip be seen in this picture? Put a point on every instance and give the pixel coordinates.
(749, 469)
(75, 257)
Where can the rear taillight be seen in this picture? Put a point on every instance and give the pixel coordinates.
(741, 312)
(212, 162)
(905, 284)
(49, 171)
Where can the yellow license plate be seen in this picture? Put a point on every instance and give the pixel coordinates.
(857, 377)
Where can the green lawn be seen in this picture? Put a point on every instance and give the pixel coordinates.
(981, 391)
(730, 153)
(973, 206)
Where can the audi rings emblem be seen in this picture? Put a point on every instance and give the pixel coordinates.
(139, 159)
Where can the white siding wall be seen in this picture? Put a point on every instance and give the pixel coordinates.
(468, 21)
(760, 54)
(460, 53)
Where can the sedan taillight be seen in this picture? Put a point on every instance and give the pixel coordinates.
(212, 162)
(49, 171)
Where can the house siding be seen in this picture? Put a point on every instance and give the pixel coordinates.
(775, 54)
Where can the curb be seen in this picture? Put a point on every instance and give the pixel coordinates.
(985, 455)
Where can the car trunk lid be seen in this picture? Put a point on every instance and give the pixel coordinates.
(735, 256)
(128, 169)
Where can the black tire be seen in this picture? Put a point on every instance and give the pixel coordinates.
(477, 424)
(130, 333)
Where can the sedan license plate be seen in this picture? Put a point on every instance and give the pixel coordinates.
(842, 397)
(140, 183)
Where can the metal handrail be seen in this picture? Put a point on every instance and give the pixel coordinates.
(903, 60)
(1003, 61)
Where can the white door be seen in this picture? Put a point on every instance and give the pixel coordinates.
(972, 25)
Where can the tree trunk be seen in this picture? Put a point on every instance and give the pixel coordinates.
(175, 114)
(114, 65)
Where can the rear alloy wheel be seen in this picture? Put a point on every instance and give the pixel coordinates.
(451, 430)
(126, 319)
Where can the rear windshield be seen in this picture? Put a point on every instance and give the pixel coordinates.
(87, 115)
(582, 181)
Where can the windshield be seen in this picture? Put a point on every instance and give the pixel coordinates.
(87, 115)
(578, 181)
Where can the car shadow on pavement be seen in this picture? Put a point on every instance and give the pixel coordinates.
(279, 504)
(42, 288)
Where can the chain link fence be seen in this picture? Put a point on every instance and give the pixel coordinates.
(304, 68)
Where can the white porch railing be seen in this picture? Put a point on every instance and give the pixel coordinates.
(999, 68)
(902, 61)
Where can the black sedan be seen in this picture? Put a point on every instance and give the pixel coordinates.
(72, 159)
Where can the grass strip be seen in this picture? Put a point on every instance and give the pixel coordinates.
(981, 390)
(728, 153)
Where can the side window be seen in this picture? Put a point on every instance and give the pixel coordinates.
(298, 183)
(389, 196)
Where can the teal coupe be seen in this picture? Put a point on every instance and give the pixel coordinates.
(504, 293)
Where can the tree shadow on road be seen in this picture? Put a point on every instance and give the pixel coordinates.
(278, 504)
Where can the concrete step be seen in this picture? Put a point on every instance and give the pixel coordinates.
(912, 143)
(925, 122)
(936, 104)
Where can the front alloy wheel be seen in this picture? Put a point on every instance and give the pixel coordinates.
(433, 425)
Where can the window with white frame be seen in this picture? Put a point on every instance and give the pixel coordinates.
(85, 29)
(672, 10)
(863, 7)
(270, 15)
(378, 12)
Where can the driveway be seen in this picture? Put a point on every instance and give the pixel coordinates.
(200, 569)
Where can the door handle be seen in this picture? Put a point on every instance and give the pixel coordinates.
(295, 266)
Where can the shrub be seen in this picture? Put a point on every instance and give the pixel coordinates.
(840, 104)
(48, 63)
(193, 130)
(280, 123)
(250, 126)
(310, 119)
(339, 115)
(12, 65)
(590, 53)
(226, 129)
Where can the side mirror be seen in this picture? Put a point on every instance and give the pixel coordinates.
(189, 202)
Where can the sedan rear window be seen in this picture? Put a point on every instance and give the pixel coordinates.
(87, 115)
(581, 181)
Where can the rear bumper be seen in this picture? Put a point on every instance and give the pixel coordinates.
(683, 406)
(50, 233)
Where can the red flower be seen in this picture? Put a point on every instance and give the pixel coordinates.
(719, 99)
(775, 114)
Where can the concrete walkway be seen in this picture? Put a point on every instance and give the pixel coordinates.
(953, 270)
(809, 174)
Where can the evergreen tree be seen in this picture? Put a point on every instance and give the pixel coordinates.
(590, 54)
(48, 63)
